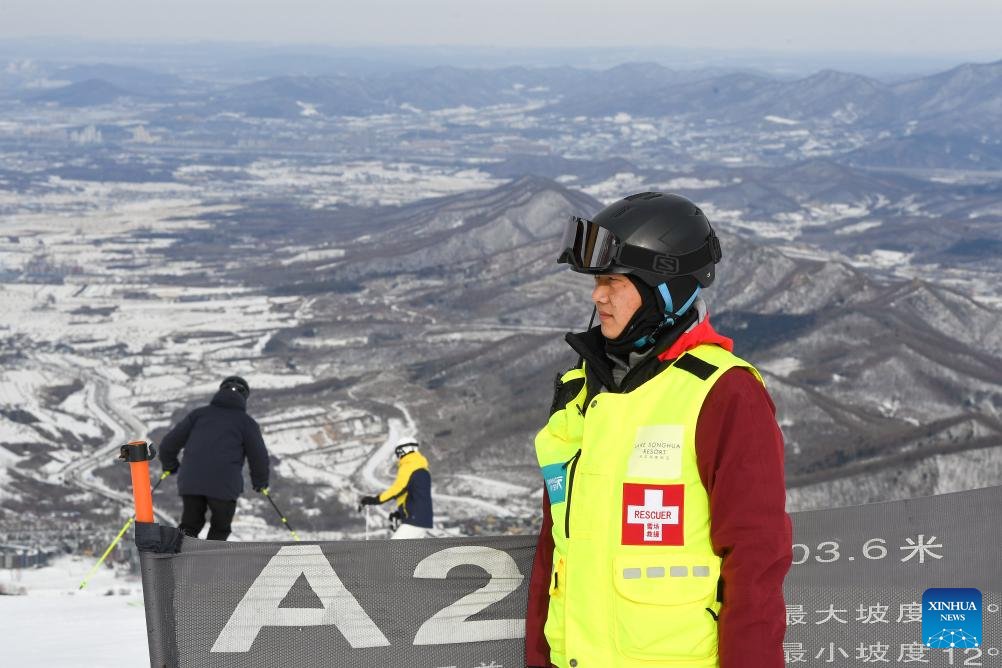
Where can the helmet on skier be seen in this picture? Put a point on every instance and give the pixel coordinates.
(405, 446)
(663, 243)
(236, 383)
(656, 237)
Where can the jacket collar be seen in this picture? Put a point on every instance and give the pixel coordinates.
(693, 330)
(700, 333)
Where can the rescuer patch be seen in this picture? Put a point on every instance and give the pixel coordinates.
(652, 514)
(657, 452)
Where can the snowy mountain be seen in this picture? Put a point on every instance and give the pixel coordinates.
(373, 247)
(445, 317)
(88, 93)
(965, 99)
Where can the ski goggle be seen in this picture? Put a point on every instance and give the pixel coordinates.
(405, 449)
(593, 249)
(587, 246)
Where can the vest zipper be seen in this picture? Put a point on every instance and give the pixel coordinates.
(569, 466)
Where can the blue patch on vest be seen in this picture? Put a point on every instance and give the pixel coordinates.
(555, 476)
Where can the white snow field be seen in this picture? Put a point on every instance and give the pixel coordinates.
(73, 632)
(55, 626)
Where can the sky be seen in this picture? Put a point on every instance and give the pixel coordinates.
(919, 27)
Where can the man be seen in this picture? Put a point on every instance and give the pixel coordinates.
(411, 489)
(665, 538)
(216, 440)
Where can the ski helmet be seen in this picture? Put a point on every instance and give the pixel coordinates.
(657, 239)
(405, 446)
(654, 236)
(236, 383)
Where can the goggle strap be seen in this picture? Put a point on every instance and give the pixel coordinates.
(667, 265)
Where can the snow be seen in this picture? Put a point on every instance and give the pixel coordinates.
(292, 414)
(885, 259)
(687, 183)
(12, 432)
(316, 342)
(790, 224)
(488, 487)
(89, 629)
(858, 227)
(783, 366)
(363, 183)
(314, 255)
(781, 121)
(73, 632)
(612, 189)
(307, 109)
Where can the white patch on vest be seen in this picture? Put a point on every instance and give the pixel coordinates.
(657, 452)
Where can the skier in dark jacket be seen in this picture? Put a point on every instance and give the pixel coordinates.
(216, 440)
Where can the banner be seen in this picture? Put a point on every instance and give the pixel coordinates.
(854, 594)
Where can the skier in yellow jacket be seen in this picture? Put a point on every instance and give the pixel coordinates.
(411, 489)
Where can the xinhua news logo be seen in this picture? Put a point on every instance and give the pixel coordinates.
(951, 618)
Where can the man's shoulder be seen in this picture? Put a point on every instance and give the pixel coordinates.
(251, 426)
(250, 422)
(738, 384)
(198, 412)
(715, 354)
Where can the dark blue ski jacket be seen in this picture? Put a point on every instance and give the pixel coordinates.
(216, 439)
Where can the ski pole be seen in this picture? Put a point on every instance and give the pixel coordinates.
(367, 522)
(281, 515)
(163, 476)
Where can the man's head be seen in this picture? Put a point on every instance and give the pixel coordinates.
(405, 446)
(651, 254)
(236, 384)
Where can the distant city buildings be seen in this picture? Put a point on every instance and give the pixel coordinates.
(89, 135)
(140, 135)
(25, 556)
(43, 269)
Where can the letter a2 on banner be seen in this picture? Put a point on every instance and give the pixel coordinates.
(260, 606)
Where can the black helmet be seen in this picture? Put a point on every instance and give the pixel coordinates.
(656, 237)
(236, 383)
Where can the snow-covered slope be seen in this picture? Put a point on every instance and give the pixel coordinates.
(443, 318)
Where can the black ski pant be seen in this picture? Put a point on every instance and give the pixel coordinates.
(193, 516)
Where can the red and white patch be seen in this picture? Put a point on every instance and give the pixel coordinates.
(652, 514)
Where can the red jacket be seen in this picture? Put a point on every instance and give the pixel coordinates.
(739, 452)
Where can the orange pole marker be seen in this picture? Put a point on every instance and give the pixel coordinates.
(138, 454)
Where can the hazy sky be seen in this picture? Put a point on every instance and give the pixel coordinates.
(901, 26)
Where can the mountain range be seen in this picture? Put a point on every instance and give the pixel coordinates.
(873, 376)
(961, 100)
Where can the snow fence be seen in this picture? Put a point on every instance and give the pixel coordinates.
(854, 595)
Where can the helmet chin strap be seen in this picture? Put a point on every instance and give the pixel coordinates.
(670, 314)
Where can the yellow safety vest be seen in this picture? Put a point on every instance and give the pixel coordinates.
(634, 581)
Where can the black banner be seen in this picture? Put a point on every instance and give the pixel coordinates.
(853, 595)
